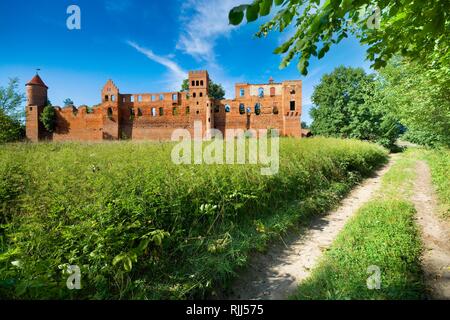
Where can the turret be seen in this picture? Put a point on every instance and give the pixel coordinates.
(36, 101)
(36, 92)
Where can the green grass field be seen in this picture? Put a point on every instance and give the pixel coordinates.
(439, 162)
(383, 234)
(141, 227)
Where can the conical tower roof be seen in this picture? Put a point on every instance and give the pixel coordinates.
(36, 81)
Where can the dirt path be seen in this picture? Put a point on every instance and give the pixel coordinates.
(275, 275)
(435, 236)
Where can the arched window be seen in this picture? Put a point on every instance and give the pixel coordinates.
(139, 112)
(241, 108)
(292, 105)
(131, 114)
(153, 112)
(194, 95)
(242, 92)
(175, 111)
(272, 91)
(193, 83)
(161, 97)
(227, 108)
(216, 108)
(261, 92)
(113, 98)
(275, 110)
(153, 98)
(257, 109)
(106, 98)
(110, 113)
(197, 83)
(201, 83)
(161, 111)
(188, 110)
(175, 97)
(201, 94)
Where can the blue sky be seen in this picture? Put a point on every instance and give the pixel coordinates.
(146, 46)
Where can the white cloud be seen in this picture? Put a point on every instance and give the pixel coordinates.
(202, 23)
(176, 73)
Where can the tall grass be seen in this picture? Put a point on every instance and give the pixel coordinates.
(439, 161)
(141, 227)
(382, 234)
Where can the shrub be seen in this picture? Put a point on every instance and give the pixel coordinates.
(10, 129)
(48, 118)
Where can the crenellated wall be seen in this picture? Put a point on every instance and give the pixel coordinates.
(154, 116)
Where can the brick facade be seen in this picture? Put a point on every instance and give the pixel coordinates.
(154, 116)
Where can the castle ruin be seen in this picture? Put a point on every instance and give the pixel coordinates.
(154, 116)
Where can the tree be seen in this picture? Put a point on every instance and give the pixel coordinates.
(420, 97)
(416, 29)
(68, 102)
(185, 85)
(11, 112)
(215, 90)
(48, 118)
(347, 105)
(10, 129)
(305, 125)
(11, 100)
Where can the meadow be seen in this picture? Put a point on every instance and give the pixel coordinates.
(141, 227)
(383, 233)
(439, 162)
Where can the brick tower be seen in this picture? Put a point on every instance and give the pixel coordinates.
(200, 102)
(111, 112)
(36, 92)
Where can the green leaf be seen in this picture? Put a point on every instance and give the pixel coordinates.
(265, 7)
(127, 264)
(236, 15)
(252, 13)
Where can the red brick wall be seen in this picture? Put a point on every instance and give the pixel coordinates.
(74, 125)
(78, 125)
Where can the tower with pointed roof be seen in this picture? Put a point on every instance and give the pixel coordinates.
(36, 92)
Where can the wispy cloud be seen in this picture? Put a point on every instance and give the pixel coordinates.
(176, 73)
(202, 23)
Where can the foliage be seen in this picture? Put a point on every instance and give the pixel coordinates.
(68, 102)
(11, 100)
(305, 125)
(141, 227)
(48, 118)
(215, 90)
(10, 129)
(439, 161)
(416, 29)
(419, 95)
(383, 234)
(11, 113)
(348, 105)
